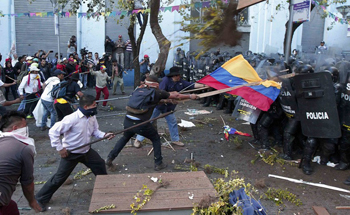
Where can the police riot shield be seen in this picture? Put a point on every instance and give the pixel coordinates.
(186, 70)
(261, 68)
(317, 105)
(287, 98)
(343, 68)
(201, 66)
(344, 105)
(245, 111)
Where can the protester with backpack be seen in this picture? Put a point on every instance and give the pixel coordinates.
(47, 99)
(62, 105)
(101, 83)
(139, 109)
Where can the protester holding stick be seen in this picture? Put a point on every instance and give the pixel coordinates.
(139, 109)
(77, 129)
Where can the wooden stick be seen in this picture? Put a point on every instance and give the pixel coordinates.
(211, 93)
(194, 90)
(223, 120)
(10, 78)
(342, 207)
(150, 151)
(215, 92)
(119, 132)
(169, 144)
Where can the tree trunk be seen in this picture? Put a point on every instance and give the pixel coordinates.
(163, 43)
(295, 26)
(136, 45)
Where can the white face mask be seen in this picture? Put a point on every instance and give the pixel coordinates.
(22, 131)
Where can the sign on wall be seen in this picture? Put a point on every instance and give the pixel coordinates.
(301, 10)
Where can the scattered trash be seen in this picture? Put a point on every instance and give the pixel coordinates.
(186, 124)
(154, 179)
(222, 156)
(191, 196)
(191, 118)
(193, 112)
(317, 159)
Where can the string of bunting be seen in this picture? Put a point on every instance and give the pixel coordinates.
(114, 13)
(332, 15)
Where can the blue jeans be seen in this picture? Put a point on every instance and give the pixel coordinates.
(172, 124)
(48, 107)
(83, 79)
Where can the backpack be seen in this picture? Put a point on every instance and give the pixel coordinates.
(141, 99)
(59, 90)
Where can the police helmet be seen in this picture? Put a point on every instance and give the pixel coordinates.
(305, 69)
(334, 72)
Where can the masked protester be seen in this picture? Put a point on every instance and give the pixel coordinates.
(139, 109)
(17, 147)
(77, 129)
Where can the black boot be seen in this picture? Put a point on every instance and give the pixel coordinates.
(254, 128)
(310, 146)
(344, 160)
(264, 138)
(229, 107)
(207, 102)
(221, 102)
(287, 146)
(328, 148)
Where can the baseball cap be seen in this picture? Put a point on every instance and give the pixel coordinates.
(145, 56)
(64, 59)
(120, 36)
(29, 58)
(103, 67)
(58, 72)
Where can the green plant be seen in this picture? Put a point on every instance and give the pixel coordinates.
(280, 195)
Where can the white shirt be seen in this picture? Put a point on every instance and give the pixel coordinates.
(77, 130)
(1, 83)
(50, 82)
(33, 84)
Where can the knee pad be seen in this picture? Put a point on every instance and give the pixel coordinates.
(311, 142)
(266, 120)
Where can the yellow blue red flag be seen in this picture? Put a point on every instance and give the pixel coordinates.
(237, 71)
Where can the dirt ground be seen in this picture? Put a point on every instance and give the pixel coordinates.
(206, 142)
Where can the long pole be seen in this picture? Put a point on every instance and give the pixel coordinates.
(119, 132)
(289, 32)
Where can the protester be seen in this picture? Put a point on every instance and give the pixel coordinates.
(109, 46)
(101, 83)
(119, 49)
(117, 77)
(77, 129)
(96, 59)
(72, 46)
(48, 101)
(62, 105)
(128, 56)
(9, 74)
(45, 69)
(144, 64)
(137, 114)
(171, 83)
(3, 101)
(16, 162)
(31, 86)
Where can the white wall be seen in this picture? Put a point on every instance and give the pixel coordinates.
(90, 33)
(170, 30)
(268, 27)
(7, 29)
(336, 38)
